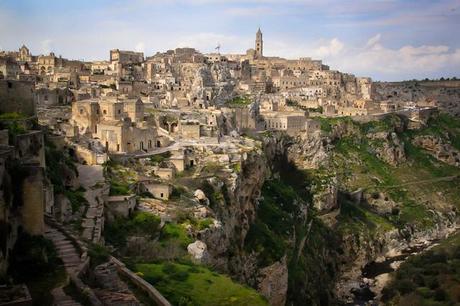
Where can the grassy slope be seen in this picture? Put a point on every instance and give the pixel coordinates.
(186, 284)
(431, 278)
(279, 227)
(358, 166)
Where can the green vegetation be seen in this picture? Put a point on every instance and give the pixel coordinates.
(177, 192)
(445, 126)
(122, 179)
(358, 166)
(187, 284)
(293, 103)
(119, 188)
(141, 224)
(98, 254)
(212, 167)
(239, 101)
(159, 158)
(311, 248)
(355, 218)
(205, 223)
(58, 163)
(14, 123)
(431, 278)
(177, 232)
(34, 261)
(283, 228)
(76, 198)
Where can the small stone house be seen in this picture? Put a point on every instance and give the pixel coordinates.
(120, 206)
(165, 173)
(158, 190)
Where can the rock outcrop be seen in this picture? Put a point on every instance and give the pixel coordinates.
(273, 282)
(388, 147)
(325, 194)
(438, 148)
(198, 251)
(309, 151)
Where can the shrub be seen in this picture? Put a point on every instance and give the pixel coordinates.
(98, 254)
(405, 286)
(32, 257)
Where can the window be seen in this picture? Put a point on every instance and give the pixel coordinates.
(104, 112)
(161, 195)
(81, 111)
(10, 85)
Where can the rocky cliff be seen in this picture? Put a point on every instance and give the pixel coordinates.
(305, 215)
(445, 94)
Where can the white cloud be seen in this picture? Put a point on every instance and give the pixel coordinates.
(331, 48)
(374, 40)
(388, 63)
(46, 46)
(140, 47)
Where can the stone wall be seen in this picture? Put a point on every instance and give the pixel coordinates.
(33, 200)
(141, 283)
(17, 96)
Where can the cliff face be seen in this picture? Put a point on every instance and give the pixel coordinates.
(234, 200)
(316, 209)
(445, 94)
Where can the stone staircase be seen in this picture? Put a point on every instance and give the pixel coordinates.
(66, 250)
(71, 259)
(61, 299)
(92, 179)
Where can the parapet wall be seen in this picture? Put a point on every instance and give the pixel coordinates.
(141, 283)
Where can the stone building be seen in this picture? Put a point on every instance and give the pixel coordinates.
(46, 97)
(17, 96)
(47, 64)
(24, 54)
(158, 190)
(189, 129)
(126, 57)
(9, 69)
(290, 122)
(120, 206)
(86, 116)
(125, 137)
(165, 173)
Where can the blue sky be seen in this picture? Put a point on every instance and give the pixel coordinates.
(383, 39)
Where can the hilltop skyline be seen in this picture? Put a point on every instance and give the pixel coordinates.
(386, 40)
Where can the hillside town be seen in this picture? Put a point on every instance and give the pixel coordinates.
(86, 143)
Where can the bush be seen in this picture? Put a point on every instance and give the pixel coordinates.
(405, 286)
(141, 224)
(32, 257)
(440, 295)
(98, 254)
(119, 188)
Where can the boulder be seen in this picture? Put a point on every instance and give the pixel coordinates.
(198, 250)
(200, 196)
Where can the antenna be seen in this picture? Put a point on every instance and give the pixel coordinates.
(218, 48)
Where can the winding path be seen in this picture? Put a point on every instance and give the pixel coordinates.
(71, 259)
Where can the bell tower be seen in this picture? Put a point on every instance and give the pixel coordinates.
(259, 44)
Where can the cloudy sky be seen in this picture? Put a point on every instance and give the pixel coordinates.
(384, 39)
